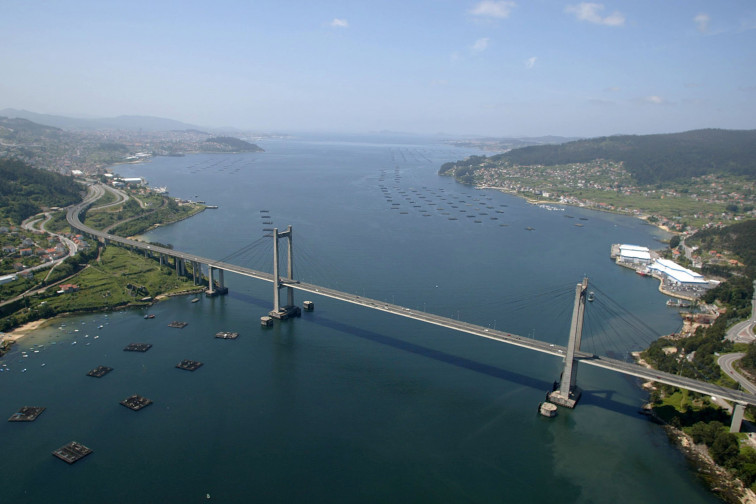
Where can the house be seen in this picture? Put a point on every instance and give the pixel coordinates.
(68, 288)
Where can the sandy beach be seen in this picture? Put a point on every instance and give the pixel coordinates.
(24, 330)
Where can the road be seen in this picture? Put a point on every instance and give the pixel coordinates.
(726, 363)
(628, 368)
(742, 332)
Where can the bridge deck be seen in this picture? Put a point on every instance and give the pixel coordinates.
(619, 366)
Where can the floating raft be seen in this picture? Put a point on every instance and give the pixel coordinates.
(72, 452)
(189, 365)
(137, 347)
(227, 335)
(136, 402)
(178, 325)
(26, 414)
(100, 371)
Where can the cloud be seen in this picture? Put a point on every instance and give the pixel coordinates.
(591, 12)
(613, 89)
(339, 23)
(530, 62)
(656, 100)
(702, 22)
(493, 8)
(480, 45)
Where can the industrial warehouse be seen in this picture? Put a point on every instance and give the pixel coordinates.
(676, 280)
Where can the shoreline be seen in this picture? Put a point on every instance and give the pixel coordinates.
(534, 201)
(717, 479)
(18, 333)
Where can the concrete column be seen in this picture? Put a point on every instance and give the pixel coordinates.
(290, 269)
(210, 281)
(194, 272)
(276, 298)
(162, 258)
(576, 332)
(737, 417)
(220, 279)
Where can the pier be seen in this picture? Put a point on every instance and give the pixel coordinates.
(136, 402)
(26, 414)
(72, 452)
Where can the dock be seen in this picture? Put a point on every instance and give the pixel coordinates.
(136, 402)
(100, 371)
(226, 335)
(72, 452)
(178, 325)
(26, 414)
(137, 347)
(189, 365)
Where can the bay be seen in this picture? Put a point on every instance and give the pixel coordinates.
(346, 404)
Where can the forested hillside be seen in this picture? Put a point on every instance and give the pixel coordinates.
(233, 144)
(652, 159)
(739, 239)
(25, 190)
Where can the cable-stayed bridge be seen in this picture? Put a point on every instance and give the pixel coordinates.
(566, 394)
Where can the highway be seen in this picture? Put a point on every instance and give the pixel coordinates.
(457, 325)
(726, 363)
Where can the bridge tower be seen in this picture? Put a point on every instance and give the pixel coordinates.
(289, 310)
(568, 393)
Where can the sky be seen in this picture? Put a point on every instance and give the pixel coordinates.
(487, 68)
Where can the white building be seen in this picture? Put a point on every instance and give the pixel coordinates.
(634, 254)
(677, 274)
(7, 278)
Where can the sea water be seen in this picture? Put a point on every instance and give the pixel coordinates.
(346, 404)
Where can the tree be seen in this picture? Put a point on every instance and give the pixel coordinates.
(674, 241)
(725, 449)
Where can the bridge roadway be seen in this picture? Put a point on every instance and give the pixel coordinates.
(619, 366)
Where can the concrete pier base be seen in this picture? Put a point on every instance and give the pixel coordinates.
(218, 291)
(286, 312)
(559, 399)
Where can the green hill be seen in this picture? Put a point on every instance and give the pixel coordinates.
(652, 159)
(25, 190)
(231, 144)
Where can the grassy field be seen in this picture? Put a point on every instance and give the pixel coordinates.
(118, 278)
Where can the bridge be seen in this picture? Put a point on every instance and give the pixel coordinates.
(567, 393)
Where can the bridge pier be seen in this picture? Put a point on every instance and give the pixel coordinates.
(737, 417)
(568, 393)
(288, 311)
(212, 289)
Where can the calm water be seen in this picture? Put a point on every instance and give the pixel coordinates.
(345, 404)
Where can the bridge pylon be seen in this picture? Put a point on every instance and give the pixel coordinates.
(288, 310)
(568, 393)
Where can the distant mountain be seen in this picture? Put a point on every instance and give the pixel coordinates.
(13, 128)
(231, 144)
(504, 144)
(126, 122)
(654, 158)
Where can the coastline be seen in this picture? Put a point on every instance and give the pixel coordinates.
(14, 335)
(534, 201)
(719, 481)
